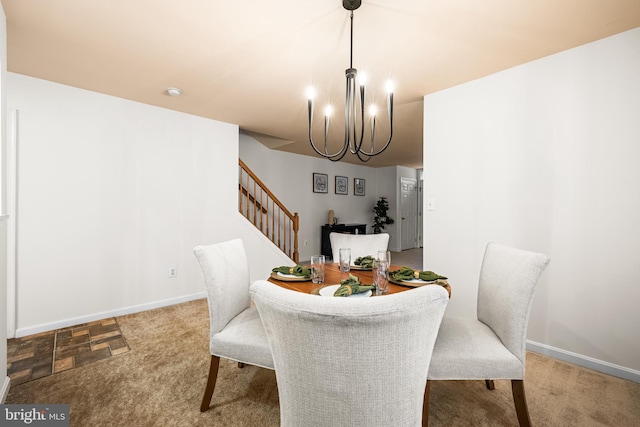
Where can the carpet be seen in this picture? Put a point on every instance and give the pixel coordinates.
(160, 382)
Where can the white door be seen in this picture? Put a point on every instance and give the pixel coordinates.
(409, 212)
(420, 216)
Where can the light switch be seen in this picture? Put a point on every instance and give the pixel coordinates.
(431, 204)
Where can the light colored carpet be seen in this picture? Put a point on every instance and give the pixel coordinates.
(160, 382)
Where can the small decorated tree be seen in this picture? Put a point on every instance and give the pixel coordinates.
(382, 218)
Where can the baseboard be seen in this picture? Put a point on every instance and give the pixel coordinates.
(4, 391)
(585, 361)
(21, 332)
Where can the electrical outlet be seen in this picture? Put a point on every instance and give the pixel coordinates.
(173, 272)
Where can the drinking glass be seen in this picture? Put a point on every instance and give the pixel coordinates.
(380, 279)
(385, 256)
(317, 269)
(345, 259)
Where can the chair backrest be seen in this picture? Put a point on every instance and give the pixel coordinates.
(360, 244)
(226, 276)
(508, 278)
(350, 361)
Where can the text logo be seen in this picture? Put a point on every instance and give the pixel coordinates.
(35, 415)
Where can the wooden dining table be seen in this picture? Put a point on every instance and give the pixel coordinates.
(333, 276)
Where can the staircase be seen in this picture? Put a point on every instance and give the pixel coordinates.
(258, 204)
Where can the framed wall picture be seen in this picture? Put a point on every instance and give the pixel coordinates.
(342, 185)
(320, 183)
(358, 186)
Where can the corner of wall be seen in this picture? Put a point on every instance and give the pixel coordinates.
(3, 235)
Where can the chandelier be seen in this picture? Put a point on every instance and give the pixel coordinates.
(354, 116)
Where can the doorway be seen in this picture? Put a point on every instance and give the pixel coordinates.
(409, 213)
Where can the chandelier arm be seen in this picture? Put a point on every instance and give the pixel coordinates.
(386, 145)
(349, 109)
(373, 132)
(390, 117)
(357, 142)
(337, 159)
(363, 159)
(352, 141)
(336, 156)
(339, 155)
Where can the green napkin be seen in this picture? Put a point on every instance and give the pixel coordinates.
(406, 273)
(351, 286)
(364, 261)
(298, 270)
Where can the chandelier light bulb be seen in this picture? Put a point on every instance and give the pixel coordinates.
(328, 111)
(362, 78)
(311, 93)
(389, 86)
(373, 110)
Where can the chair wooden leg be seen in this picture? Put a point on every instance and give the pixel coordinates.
(425, 405)
(211, 383)
(520, 400)
(490, 384)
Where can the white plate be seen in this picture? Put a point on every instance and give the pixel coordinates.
(419, 281)
(289, 276)
(328, 291)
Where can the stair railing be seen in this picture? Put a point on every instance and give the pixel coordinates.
(263, 209)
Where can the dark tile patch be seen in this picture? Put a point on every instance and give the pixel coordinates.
(82, 359)
(102, 329)
(74, 350)
(69, 341)
(43, 354)
(117, 343)
(41, 371)
(31, 362)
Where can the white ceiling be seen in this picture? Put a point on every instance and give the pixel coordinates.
(249, 62)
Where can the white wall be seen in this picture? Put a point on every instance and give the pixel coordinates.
(112, 194)
(4, 380)
(545, 156)
(289, 177)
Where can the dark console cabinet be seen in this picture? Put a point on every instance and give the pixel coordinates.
(338, 228)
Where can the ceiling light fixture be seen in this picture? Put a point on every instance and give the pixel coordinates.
(354, 122)
(174, 91)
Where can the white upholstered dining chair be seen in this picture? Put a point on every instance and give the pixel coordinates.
(350, 361)
(360, 244)
(492, 346)
(236, 331)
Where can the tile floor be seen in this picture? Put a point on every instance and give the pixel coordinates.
(46, 353)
